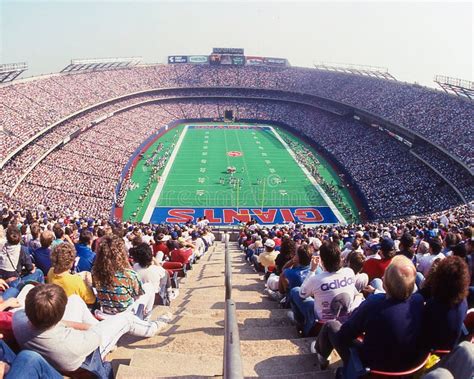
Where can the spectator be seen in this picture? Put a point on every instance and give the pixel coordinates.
(84, 252)
(147, 271)
(118, 287)
(395, 316)
(42, 256)
(375, 268)
(13, 260)
(425, 262)
(62, 259)
(323, 288)
(446, 306)
(66, 344)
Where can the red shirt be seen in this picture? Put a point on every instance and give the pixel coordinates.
(375, 268)
(160, 246)
(181, 255)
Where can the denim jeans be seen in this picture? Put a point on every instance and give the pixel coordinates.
(303, 310)
(27, 364)
(13, 291)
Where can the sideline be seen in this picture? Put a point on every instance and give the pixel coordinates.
(156, 194)
(313, 181)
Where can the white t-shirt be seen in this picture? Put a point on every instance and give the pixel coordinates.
(325, 286)
(152, 274)
(200, 247)
(426, 261)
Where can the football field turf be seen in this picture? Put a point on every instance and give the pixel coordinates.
(268, 182)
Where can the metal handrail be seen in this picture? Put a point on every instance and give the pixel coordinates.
(232, 357)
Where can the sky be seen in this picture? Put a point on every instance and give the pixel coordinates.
(414, 40)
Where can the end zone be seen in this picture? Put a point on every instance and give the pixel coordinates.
(267, 216)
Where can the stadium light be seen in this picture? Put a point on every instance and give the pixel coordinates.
(100, 64)
(459, 87)
(362, 70)
(10, 71)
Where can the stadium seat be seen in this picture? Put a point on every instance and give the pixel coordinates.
(175, 267)
(356, 369)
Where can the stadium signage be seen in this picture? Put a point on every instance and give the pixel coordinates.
(227, 50)
(255, 61)
(177, 59)
(238, 60)
(223, 216)
(198, 59)
(275, 61)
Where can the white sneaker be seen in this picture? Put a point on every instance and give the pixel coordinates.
(173, 294)
(166, 318)
(160, 325)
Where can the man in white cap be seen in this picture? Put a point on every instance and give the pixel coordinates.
(267, 258)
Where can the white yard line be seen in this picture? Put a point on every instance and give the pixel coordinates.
(164, 176)
(313, 181)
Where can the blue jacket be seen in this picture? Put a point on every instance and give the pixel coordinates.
(442, 325)
(392, 332)
(86, 257)
(42, 257)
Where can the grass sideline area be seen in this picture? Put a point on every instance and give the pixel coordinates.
(266, 175)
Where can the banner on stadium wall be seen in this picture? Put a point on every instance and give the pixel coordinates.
(275, 61)
(256, 61)
(177, 59)
(226, 59)
(215, 59)
(227, 50)
(226, 216)
(238, 60)
(198, 59)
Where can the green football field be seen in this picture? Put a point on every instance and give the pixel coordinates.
(266, 172)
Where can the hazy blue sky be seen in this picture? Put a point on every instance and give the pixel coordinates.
(414, 40)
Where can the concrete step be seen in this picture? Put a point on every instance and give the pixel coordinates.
(219, 293)
(176, 363)
(131, 372)
(242, 314)
(267, 333)
(209, 304)
(293, 346)
(211, 365)
(179, 342)
(328, 374)
(281, 365)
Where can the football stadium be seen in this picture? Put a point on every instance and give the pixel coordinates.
(229, 213)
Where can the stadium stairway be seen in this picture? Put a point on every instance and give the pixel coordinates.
(192, 345)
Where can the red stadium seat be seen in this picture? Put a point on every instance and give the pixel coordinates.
(175, 267)
(368, 372)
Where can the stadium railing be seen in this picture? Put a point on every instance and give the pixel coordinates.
(232, 357)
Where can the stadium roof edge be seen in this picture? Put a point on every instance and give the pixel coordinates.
(356, 69)
(96, 64)
(455, 86)
(10, 71)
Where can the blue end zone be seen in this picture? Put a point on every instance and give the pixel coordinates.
(226, 216)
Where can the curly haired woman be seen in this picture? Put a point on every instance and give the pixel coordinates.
(446, 305)
(118, 287)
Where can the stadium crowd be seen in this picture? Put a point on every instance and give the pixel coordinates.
(70, 287)
(390, 296)
(418, 270)
(27, 108)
